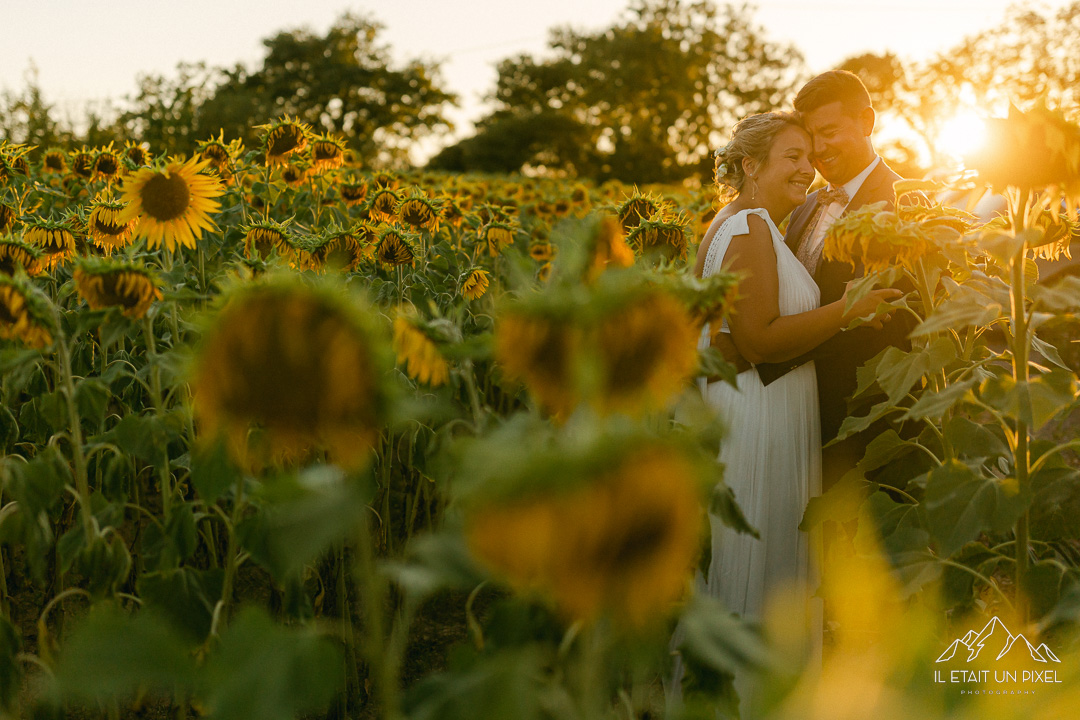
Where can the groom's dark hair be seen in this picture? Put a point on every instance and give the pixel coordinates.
(833, 86)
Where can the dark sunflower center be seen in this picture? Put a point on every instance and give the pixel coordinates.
(8, 265)
(83, 166)
(384, 203)
(54, 162)
(7, 218)
(641, 540)
(136, 155)
(103, 226)
(326, 151)
(7, 317)
(215, 152)
(165, 197)
(416, 214)
(630, 367)
(352, 192)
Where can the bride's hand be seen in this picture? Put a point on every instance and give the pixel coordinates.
(868, 304)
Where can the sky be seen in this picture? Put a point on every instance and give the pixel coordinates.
(90, 51)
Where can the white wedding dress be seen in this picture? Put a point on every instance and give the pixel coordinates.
(771, 453)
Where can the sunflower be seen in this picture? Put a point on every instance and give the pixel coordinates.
(395, 247)
(82, 164)
(541, 251)
(104, 227)
(496, 236)
(263, 237)
(24, 313)
(647, 351)
(637, 207)
(55, 240)
(136, 155)
(15, 255)
(661, 234)
(172, 204)
(295, 173)
(353, 193)
(621, 543)
(54, 161)
(287, 370)
(540, 348)
(878, 239)
(475, 284)
(7, 218)
(385, 180)
(382, 204)
(283, 138)
(107, 165)
(418, 352)
(114, 283)
(327, 153)
(419, 213)
(342, 248)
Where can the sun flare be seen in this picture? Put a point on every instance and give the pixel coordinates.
(962, 134)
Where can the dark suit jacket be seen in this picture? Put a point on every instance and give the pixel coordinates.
(838, 358)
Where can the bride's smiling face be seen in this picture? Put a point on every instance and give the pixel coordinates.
(786, 173)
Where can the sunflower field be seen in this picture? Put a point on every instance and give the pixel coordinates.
(284, 437)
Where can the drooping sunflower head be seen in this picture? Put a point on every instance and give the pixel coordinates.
(661, 234)
(419, 212)
(877, 238)
(647, 351)
(327, 153)
(541, 251)
(395, 247)
(416, 342)
(15, 255)
(538, 344)
(107, 165)
(24, 313)
(262, 238)
(353, 193)
(13, 161)
(284, 137)
(8, 218)
(612, 529)
(343, 248)
(171, 202)
(54, 161)
(215, 150)
(385, 180)
(705, 300)
(137, 155)
(54, 240)
(295, 173)
(105, 228)
(475, 283)
(117, 283)
(637, 207)
(382, 203)
(82, 163)
(496, 236)
(286, 371)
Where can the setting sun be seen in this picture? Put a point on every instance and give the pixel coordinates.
(961, 134)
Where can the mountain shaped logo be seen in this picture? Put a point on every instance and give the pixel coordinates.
(996, 640)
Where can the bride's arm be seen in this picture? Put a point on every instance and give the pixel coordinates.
(760, 332)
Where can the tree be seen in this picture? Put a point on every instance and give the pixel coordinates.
(340, 83)
(645, 100)
(165, 111)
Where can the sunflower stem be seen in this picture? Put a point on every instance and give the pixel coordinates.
(155, 398)
(82, 485)
(1021, 458)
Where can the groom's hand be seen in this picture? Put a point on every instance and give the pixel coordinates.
(724, 343)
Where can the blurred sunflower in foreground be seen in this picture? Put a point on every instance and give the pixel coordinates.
(24, 313)
(116, 283)
(620, 346)
(172, 204)
(55, 240)
(15, 255)
(286, 371)
(612, 530)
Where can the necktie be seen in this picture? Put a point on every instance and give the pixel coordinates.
(809, 252)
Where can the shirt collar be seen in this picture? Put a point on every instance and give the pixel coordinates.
(853, 185)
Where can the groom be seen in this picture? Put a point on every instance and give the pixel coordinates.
(837, 111)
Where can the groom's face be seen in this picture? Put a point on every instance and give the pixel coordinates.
(842, 146)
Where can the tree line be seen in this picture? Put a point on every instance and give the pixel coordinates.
(644, 100)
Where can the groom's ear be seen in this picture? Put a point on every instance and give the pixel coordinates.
(867, 118)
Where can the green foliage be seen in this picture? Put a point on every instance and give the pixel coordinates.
(639, 101)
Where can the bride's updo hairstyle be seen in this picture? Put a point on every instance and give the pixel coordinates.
(752, 137)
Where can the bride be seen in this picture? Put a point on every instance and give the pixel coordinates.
(772, 449)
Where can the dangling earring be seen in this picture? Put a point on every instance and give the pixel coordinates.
(753, 191)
